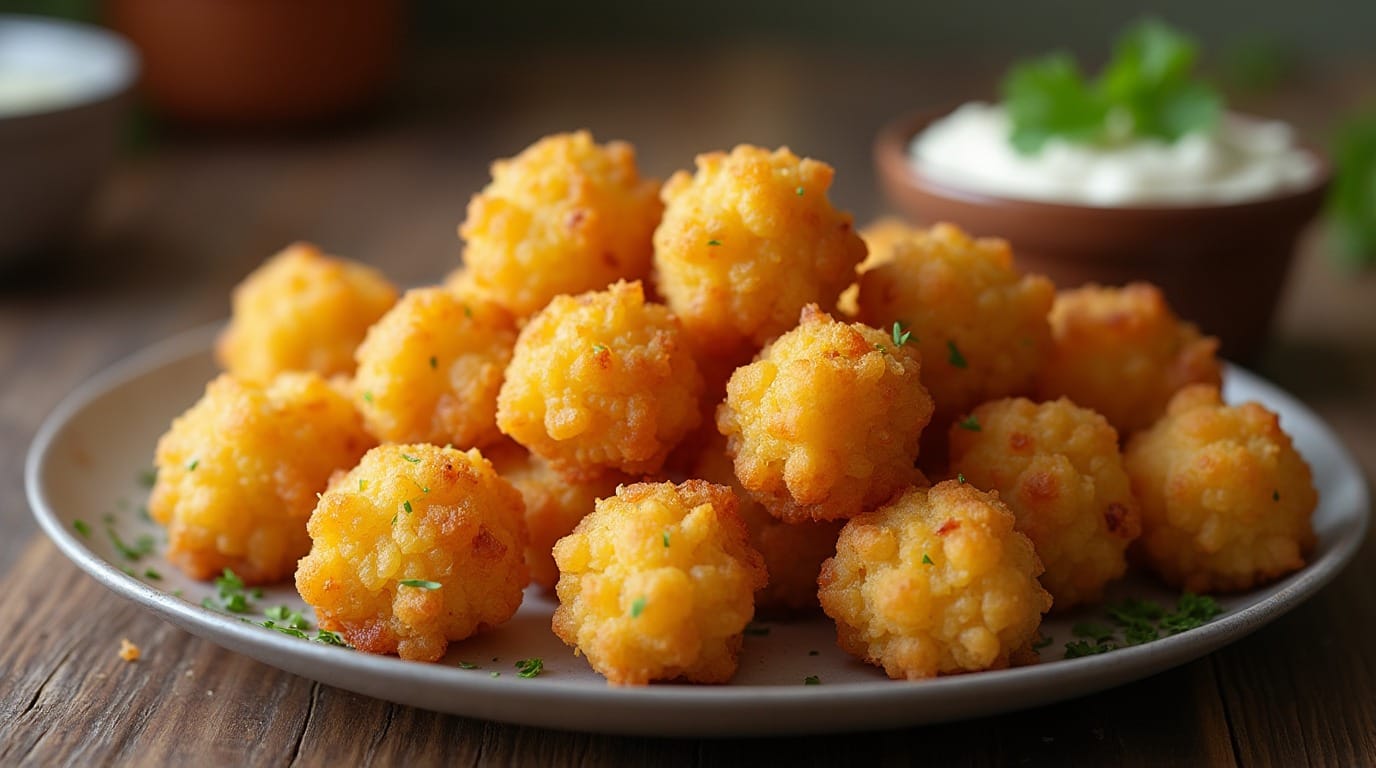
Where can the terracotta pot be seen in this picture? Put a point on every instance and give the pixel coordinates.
(1220, 265)
(260, 62)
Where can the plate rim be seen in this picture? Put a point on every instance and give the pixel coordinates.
(375, 675)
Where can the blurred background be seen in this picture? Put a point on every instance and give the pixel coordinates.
(365, 125)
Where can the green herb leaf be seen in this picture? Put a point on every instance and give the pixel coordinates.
(467, 665)
(152, 573)
(799, 191)
(637, 607)
(926, 559)
(970, 424)
(420, 584)
(326, 637)
(1096, 632)
(666, 539)
(148, 477)
(410, 458)
(82, 528)
(960, 478)
(1078, 648)
(1048, 97)
(191, 465)
(900, 336)
(368, 396)
(1351, 204)
(495, 674)
(714, 243)
(406, 505)
(598, 349)
(953, 355)
(529, 668)
(812, 680)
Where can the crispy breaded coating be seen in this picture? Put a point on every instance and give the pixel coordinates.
(430, 369)
(936, 582)
(1124, 353)
(879, 236)
(600, 382)
(301, 311)
(554, 505)
(416, 547)
(981, 324)
(238, 473)
(1058, 467)
(564, 216)
(793, 552)
(825, 423)
(658, 584)
(746, 243)
(1227, 501)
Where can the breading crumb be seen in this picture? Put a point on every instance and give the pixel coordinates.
(128, 651)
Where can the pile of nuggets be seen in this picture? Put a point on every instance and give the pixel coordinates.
(679, 406)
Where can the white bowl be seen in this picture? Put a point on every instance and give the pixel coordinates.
(63, 94)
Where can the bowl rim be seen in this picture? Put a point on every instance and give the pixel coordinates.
(126, 65)
(891, 154)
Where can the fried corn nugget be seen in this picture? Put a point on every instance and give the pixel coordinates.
(793, 552)
(1227, 501)
(553, 504)
(658, 584)
(936, 582)
(238, 473)
(980, 324)
(430, 369)
(1058, 467)
(746, 243)
(879, 236)
(1123, 353)
(416, 547)
(601, 382)
(564, 216)
(301, 311)
(825, 423)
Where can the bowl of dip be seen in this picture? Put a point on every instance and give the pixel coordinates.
(1212, 218)
(63, 94)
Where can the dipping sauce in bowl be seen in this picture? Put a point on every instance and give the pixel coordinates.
(1242, 159)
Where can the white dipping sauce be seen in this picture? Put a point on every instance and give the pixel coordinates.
(1242, 159)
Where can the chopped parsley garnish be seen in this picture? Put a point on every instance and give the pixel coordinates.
(799, 191)
(152, 573)
(1351, 204)
(1141, 621)
(494, 674)
(434, 362)
(954, 357)
(529, 668)
(368, 396)
(637, 607)
(148, 477)
(293, 619)
(812, 680)
(410, 458)
(326, 637)
(960, 478)
(883, 350)
(598, 349)
(1147, 90)
(82, 528)
(467, 665)
(970, 424)
(467, 311)
(666, 539)
(714, 242)
(191, 465)
(362, 485)
(756, 630)
(406, 505)
(143, 545)
(420, 583)
(230, 594)
(926, 559)
(900, 336)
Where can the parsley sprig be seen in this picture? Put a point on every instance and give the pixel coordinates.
(1147, 90)
(1351, 204)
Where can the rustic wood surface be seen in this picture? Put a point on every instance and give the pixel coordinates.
(181, 221)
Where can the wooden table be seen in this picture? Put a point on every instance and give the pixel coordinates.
(179, 224)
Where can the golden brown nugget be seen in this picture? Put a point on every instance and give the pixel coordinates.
(793, 552)
(825, 423)
(1227, 501)
(239, 472)
(746, 243)
(430, 370)
(937, 582)
(601, 382)
(554, 505)
(302, 311)
(1124, 353)
(565, 216)
(416, 547)
(980, 323)
(1058, 467)
(658, 584)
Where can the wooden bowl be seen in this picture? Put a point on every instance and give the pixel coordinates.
(1221, 266)
(261, 62)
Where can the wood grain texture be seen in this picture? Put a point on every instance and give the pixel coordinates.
(178, 226)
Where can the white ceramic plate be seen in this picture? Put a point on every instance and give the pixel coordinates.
(108, 429)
